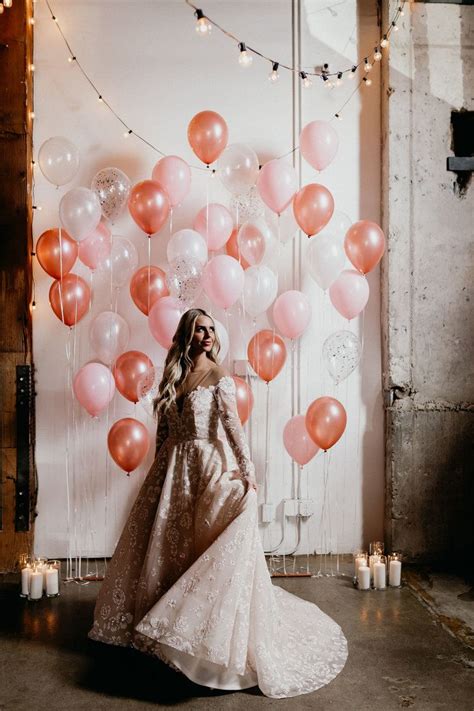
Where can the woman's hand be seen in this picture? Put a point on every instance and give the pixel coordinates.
(251, 483)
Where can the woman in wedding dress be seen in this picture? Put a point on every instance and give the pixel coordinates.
(188, 581)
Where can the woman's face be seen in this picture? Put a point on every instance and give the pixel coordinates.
(204, 335)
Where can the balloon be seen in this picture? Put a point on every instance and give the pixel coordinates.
(112, 187)
(70, 298)
(341, 354)
(326, 421)
(56, 252)
(163, 319)
(149, 206)
(184, 279)
(248, 205)
(79, 211)
(255, 240)
(109, 334)
(238, 168)
(187, 243)
(128, 441)
(313, 207)
(292, 313)
(337, 225)
(318, 144)
(215, 224)
(297, 441)
(232, 249)
(277, 183)
(128, 369)
(325, 258)
(207, 135)
(260, 289)
(58, 159)
(266, 352)
(349, 293)
(94, 387)
(147, 388)
(122, 260)
(244, 398)
(223, 280)
(364, 245)
(147, 285)
(223, 337)
(284, 225)
(96, 247)
(174, 175)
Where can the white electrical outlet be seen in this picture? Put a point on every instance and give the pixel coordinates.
(291, 507)
(267, 512)
(306, 507)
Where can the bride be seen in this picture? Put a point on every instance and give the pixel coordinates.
(188, 581)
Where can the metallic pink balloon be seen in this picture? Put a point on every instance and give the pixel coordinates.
(207, 135)
(96, 247)
(214, 222)
(70, 298)
(313, 207)
(149, 206)
(297, 441)
(349, 293)
(163, 319)
(326, 421)
(56, 256)
(128, 441)
(276, 184)
(223, 280)
(292, 313)
(364, 245)
(147, 285)
(128, 369)
(318, 144)
(94, 387)
(174, 175)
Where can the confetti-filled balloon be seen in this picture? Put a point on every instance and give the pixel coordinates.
(147, 388)
(341, 354)
(112, 187)
(184, 279)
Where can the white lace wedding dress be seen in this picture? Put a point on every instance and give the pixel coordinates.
(188, 581)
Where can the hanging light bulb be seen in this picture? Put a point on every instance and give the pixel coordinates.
(338, 116)
(71, 59)
(9, 3)
(203, 26)
(400, 10)
(100, 99)
(2, 9)
(395, 26)
(305, 80)
(384, 42)
(127, 133)
(32, 67)
(377, 55)
(352, 73)
(368, 81)
(274, 75)
(339, 79)
(367, 65)
(32, 20)
(245, 57)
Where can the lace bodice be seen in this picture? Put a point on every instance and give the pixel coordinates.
(208, 413)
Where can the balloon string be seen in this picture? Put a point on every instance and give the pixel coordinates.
(149, 272)
(68, 473)
(228, 358)
(61, 274)
(267, 438)
(171, 221)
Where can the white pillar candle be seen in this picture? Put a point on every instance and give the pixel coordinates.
(360, 559)
(363, 577)
(379, 576)
(25, 580)
(395, 573)
(52, 581)
(36, 584)
(372, 560)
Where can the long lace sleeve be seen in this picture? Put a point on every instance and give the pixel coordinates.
(161, 432)
(224, 393)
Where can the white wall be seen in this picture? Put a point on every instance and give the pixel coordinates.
(149, 64)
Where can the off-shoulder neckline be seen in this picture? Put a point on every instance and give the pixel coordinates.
(201, 387)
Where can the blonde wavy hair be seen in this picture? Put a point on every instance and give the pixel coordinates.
(178, 362)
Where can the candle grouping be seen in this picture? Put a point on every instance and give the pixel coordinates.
(38, 576)
(371, 569)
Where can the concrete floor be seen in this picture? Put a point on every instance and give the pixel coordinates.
(399, 657)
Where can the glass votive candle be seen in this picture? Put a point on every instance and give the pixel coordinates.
(376, 548)
(380, 573)
(52, 580)
(41, 563)
(395, 570)
(374, 558)
(25, 565)
(360, 558)
(35, 587)
(363, 577)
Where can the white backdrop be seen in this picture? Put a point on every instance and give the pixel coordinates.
(149, 64)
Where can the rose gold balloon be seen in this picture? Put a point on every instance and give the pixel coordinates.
(232, 248)
(364, 245)
(313, 206)
(325, 421)
(127, 370)
(128, 443)
(70, 299)
(267, 354)
(244, 397)
(149, 206)
(148, 285)
(207, 135)
(52, 257)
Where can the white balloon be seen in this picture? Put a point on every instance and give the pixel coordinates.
(79, 211)
(337, 225)
(223, 337)
(58, 160)
(187, 243)
(260, 289)
(325, 258)
(341, 354)
(237, 168)
(112, 187)
(256, 241)
(284, 226)
(122, 260)
(109, 335)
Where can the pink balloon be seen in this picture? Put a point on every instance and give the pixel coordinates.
(174, 175)
(164, 318)
(96, 247)
(149, 206)
(223, 280)
(349, 293)
(277, 183)
(364, 245)
(313, 207)
(292, 313)
(94, 387)
(214, 222)
(318, 144)
(297, 441)
(128, 441)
